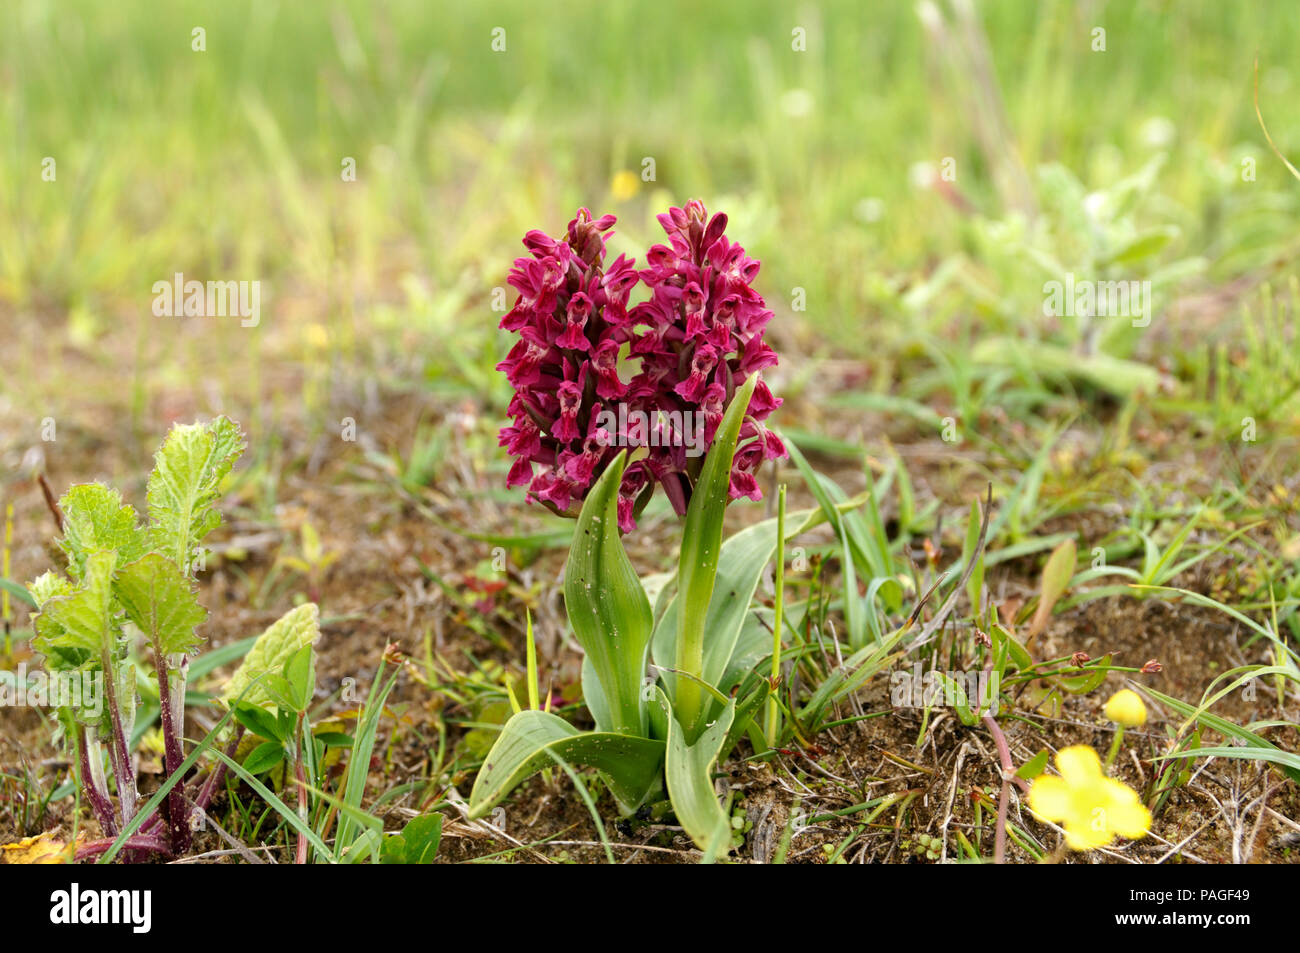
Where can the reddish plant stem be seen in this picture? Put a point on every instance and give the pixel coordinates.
(1008, 773)
(174, 809)
(50, 501)
(123, 772)
(135, 844)
(99, 802)
(209, 789)
(301, 776)
(205, 793)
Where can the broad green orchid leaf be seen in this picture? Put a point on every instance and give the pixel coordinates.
(160, 600)
(752, 647)
(608, 608)
(688, 769)
(594, 696)
(533, 740)
(96, 519)
(744, 558)
(185, 482)
(270, 653)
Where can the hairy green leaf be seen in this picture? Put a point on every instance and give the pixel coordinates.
(160, 600)
(95, 519)
(183, 487)
(48, 585)
(82, 620)
(267, 657)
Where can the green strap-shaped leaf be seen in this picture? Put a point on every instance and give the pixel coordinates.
(533, 740)
(160, 600)
(1253, 745)
(594, 696)
(697, 565)
(267, 657)
(740, 567)
(19, 592)
(96, 519)
(607, 607)
(183, 488)
(688, 769)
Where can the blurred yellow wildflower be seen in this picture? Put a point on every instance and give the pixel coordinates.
(624, 185)
(1092, 808)
(1125, 708)
(318, 338)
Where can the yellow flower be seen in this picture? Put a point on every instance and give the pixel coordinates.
(318, 338)
(1125, 708)
(1092, 808)
(625, 185)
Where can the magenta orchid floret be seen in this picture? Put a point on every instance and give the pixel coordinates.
(697, 338)
(705, 337)
(572, 319)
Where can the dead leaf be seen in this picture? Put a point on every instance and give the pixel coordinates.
(41, 849)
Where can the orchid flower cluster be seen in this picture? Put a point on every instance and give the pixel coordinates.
(697, 338)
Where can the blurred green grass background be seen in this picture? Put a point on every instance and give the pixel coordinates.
(226, 164)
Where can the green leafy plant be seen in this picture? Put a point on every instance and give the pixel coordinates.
(709, 645)
(124, 579)
(656, 735)
(270, 697)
